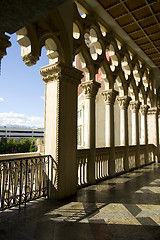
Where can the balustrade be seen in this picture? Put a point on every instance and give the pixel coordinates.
(82, 163)
(101, 164)
(27, 178)
(142, 155)
(119, 159)
(132, 157)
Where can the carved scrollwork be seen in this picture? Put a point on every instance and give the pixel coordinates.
(61, 71)
(144, 109)
(30, 59)
(109, 96)
(90, 88)
(124, 102)
(135, 105)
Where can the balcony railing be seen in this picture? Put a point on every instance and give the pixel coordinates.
(27, 178)
(24, 179)
(102, 161)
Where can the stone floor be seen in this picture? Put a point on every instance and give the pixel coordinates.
(126, 207)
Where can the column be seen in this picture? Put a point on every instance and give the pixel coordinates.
(61, 84)
(109, 98)
(90, 90)
(153, 137)
(144, 131)
(123, 103)
(135, 105)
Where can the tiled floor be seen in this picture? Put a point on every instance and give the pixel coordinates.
(126, 207)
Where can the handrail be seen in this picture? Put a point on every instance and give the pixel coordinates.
(25, 179)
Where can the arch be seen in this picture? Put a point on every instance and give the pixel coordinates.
(132, 90)
(28, 41)
(136, 74)
(125, 65)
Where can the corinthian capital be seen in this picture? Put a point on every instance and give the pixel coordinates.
(109, 96)
(60, 71)
(4, 43)
(144, 109)
(124, 101)
(135, 105)
(90, 88)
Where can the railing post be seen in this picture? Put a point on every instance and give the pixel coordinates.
(109, 98)
(123, 103)
(90, 91)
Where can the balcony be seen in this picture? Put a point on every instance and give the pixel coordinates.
(125, 207)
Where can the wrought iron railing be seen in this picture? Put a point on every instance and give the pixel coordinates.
(24, 179)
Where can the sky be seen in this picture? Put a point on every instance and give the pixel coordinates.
(21, 89)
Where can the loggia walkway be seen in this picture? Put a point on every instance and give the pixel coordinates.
(125, 207)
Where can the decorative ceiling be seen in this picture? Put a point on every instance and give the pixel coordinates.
(140, 19)
(15, 14)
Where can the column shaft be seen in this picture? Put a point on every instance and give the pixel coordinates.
(61, 126)
(90, 90)
(135, 129)
(123, 103)
(144, 131)
(109, 98)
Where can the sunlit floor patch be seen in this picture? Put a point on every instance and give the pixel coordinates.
(149, 189)
(156, 182)
(116, 214)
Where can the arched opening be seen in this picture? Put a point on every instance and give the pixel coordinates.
(22, 88)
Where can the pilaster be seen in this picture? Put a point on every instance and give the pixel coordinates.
(123, 104)
(61, 83)
(90, 90)
(109, 98)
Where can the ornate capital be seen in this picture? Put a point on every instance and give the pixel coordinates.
(4, 43)
(60, 71)
(124, 102)
(135, 105)
(109, 96)
(144, 109)
(153, 110)
(30, 59)
(90, 88)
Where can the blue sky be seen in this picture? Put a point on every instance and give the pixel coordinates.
(21, 89)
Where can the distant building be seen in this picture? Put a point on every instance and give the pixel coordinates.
(21, 132)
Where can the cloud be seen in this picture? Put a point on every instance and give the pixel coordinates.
(18, 119)
(1, 99)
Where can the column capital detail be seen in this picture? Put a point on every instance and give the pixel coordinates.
(135, 105)
(90, 88)
(124, 101)
(144, 109)
(4, 43)
(60, 71)
(109, 96)
(152, 110)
